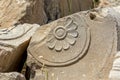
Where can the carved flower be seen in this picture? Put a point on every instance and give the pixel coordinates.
(63, 36)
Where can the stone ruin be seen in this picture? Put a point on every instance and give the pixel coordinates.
(73, 47)
(81, 46)
(13, 42)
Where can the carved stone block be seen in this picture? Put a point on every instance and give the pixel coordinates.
(13, 43)
(73, 48)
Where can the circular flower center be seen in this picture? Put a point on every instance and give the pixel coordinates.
(60, 32)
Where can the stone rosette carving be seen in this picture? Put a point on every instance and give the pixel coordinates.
(84, 58)
(69, 37)
(63, 36)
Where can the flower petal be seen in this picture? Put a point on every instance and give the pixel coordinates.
(72, 26)
(51, 43)
(68, 21)
(73, 33)
(71, 39)
(58, 46)
(65, 44)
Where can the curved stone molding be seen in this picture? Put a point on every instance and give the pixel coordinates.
(11, 33)
(13, 43)
(63, 36)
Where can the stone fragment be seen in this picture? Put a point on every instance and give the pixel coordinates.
(16, 11)
(60, 8)
(115, 12)
(115, 72)
(35, 12)
(13, 43)
(76, 47)
(38, 11)
(114, 2)
(11, 76)
(11, 11)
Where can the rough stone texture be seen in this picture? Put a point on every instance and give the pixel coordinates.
(35, 13)
(60, 8)
(38, 11)
(44, 11)
(13, 43)
(114, 12)
(106, 3)
(76, 47)
(115, 72)
(11, 11)
(114, 2)
(11, 76)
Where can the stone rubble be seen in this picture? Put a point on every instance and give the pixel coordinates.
(85, 44)
(13, 43)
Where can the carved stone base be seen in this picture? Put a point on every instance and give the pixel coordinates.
(13, 43)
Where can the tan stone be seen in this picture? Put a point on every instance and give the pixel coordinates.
(38, 11)
(11, 11)
(16, 11)
(35, 13)
(115, 72)
(13, 43)
(76, 47)
(11, 76)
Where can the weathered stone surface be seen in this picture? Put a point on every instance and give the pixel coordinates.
(35, 13)
(38, 11)
(49, 10)
(115, 72)
(11, 76)
(106, 3)
(114, 2)
(76, 47)
(11, 11)
(60, 8)
(13, 43)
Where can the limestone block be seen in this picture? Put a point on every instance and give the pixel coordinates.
(13, 42)
(76, 47)
(11, 11)
(11, 76)
(21, 11)
(115, 70)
